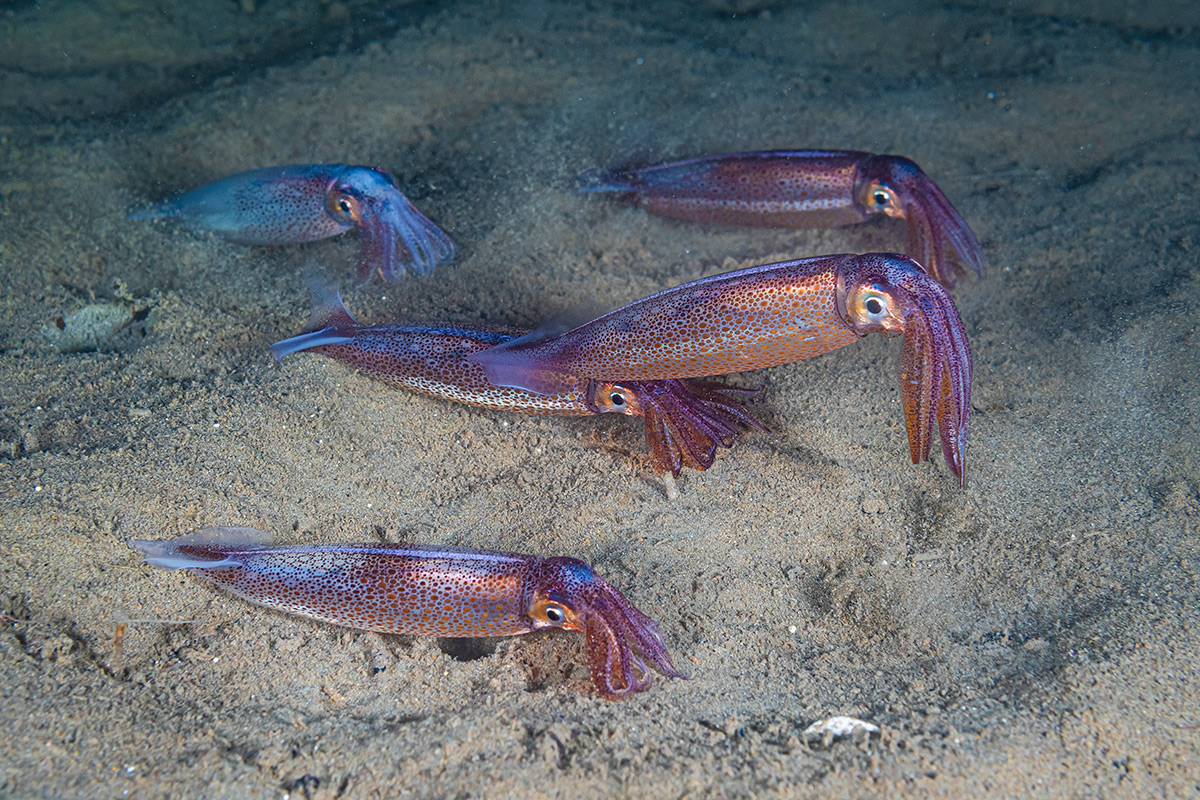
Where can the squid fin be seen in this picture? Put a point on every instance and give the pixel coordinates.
(167, 555)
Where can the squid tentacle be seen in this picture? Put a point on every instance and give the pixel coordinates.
(935, 376)
(620, 642)
(687, 419)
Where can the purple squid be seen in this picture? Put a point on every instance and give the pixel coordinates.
(418, 590)
(306, 202)
(805, 189)
(766, 316)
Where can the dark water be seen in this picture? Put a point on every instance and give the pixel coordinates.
(1033, 634)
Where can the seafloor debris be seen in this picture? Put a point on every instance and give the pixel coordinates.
(99, 326)
(826, 730)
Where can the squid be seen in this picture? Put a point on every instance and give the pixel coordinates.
(766, 316)
(685, 420)
(306, 202)
(805, 189)
(421, 590)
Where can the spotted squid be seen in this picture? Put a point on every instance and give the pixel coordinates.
(419, 590)
(685, 419)
(765, 316)
(805, 189)
(306, 202)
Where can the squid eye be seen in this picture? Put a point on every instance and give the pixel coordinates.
(880, 197)
(876, 309)
(343, 206)
(555, 614)
(617, 400)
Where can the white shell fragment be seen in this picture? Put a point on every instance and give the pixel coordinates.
(827, 730)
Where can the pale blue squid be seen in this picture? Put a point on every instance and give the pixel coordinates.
(306, 202)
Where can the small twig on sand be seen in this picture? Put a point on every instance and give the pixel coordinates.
(121, 622)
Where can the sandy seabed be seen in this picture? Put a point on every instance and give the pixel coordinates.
(1034, 635)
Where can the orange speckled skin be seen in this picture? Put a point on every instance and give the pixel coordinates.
(434, 591)
(805, 189)
(734, 322)
(769, 315)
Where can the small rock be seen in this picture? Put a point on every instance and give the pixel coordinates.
(872, 504)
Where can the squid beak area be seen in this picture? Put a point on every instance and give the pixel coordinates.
(687, 419)
(935, 377)
(397, 237)
(377, 250)
(623, 646)
(672, 446)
